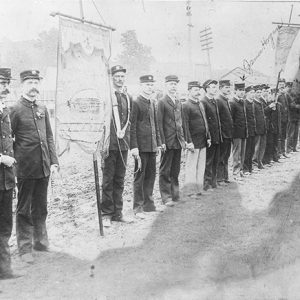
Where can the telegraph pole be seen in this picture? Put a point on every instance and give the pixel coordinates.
(190, 25)
(206, 45)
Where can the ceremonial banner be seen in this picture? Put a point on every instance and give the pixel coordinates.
(288, 53)
(83, 104)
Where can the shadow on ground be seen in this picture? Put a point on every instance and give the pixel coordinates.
(209, 239)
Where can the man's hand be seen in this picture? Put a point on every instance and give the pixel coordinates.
(273, 105)
(208, 143)
(54, 169)
(135, 153)
(190, 147)
(7, 160)
(163, 148)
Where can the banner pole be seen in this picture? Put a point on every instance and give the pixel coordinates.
(98, 198)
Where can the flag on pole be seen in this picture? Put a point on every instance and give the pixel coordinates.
(83, 105)
(288, 53)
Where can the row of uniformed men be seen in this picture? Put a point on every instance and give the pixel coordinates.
(27, 152)
(250, 122)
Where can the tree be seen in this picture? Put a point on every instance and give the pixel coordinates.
(136, 57)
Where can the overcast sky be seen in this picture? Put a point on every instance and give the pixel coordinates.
(238, 28)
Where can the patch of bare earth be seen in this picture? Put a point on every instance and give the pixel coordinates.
(240, 242)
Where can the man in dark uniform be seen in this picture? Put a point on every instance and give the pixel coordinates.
(227, 130)
(282, 99)
(260, 128)
(7, 177)
(114, 168)
(214, 126)
(268, 106)
(240, 133)
(144, 144)
(293, 126)
(250, 141)
(36, 160)
(170, 122)
(274, 131)
(198, 138)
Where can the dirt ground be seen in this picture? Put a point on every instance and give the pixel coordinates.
(240, 242)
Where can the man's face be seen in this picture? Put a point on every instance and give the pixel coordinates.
(4, 88)
(288, 89)
(225, 90)
(265, 93)
(118, 79)
(212, 89)
(195, 92)
(147, 88)
(240, 93)
(250, 95)
(258, 94)
(171, 87)
(31, 87)
(281, 86)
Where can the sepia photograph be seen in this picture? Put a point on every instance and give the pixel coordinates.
(149, 150)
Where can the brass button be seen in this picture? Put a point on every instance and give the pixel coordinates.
(3, 136)
(4, 151)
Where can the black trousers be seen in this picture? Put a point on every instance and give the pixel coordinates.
(168, 175)
(282, 138)
(250, 148)
(31, 213)
(144, 182)
(293, 131)
(225, 149)
(113, 170)
(5, 229)
(211, 166)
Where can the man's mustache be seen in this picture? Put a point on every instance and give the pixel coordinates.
(5, 92)
(34, 90)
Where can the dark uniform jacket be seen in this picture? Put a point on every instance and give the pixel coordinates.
(250, 117)
(275, 119)
(123, 144)
(34, 146)
(170, 122)
(294, 107)
(225, 117)
(238, 113)
(282, 99)
(196, 126)
(213, 119)
(260, 119)
(144, 131)
(7, 176)
(267, 112)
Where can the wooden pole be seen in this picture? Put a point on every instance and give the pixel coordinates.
(81, 10)
(98, 198)
(53, 14)
(291, 13)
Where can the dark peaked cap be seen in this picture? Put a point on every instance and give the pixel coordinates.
(209, 82)
(171, 78)
(224, 82)
(192, 84)
(116, 69)
(249, 88)
(146, 78)
(239, 86)
(30, 74)
(5, 74)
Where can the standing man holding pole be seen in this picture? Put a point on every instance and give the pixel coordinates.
(170, 122)
(36, 160)
(144, 141)
(114, 168)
